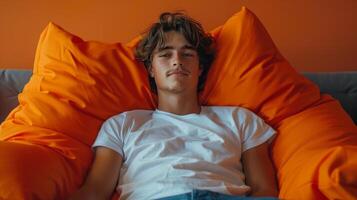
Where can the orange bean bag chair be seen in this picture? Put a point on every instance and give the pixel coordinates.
(45, 142)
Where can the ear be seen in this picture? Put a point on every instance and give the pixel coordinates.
(200, 70)
(151, 72)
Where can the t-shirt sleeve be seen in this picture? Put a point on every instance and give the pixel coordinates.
(254, 131)
(110, 135)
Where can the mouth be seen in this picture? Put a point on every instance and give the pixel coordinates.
(178, 73)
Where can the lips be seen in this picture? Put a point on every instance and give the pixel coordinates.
(178, 73)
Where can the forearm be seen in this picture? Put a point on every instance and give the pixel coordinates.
(266, 187)
(259, 171)
(266, 192)
(103, 176)
(88, 194)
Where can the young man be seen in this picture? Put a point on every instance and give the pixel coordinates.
(181, 150)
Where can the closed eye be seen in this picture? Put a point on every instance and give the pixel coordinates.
(188, 54)
(164, 55)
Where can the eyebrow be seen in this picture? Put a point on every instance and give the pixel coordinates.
(171, 47)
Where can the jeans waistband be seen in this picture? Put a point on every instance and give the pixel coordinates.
(197, 194)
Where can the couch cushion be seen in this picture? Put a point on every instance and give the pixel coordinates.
(11, 84)
(341, 85)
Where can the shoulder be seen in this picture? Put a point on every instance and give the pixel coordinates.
(234, 114)
(229, 110)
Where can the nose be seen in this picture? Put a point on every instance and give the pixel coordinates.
(176, 64)
(176, 60)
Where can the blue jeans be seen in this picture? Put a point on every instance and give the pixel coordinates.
(209, 195)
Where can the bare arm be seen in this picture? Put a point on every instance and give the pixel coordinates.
(103, 176)
(259, 171)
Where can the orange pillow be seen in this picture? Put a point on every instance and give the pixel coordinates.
(313, 152)
(77, 84)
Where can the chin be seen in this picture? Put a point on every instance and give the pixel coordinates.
(176, 90)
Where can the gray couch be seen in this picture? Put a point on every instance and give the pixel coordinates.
(341, 85)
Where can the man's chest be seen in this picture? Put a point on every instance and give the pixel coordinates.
(199, 140)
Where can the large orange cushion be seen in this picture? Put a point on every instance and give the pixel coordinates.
(77, 84)
(313, 152)
(28, 167)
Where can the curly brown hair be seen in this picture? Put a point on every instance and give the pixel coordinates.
(193, 33)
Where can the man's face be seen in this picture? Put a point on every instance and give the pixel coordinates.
(175, 66)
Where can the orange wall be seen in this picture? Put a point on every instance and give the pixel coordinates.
(319, 35)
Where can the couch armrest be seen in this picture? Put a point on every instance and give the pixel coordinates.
(11, 84)
(341, 85)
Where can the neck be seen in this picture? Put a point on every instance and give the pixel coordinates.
(179, 104)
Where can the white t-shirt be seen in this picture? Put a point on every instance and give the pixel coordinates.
(165, 154)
